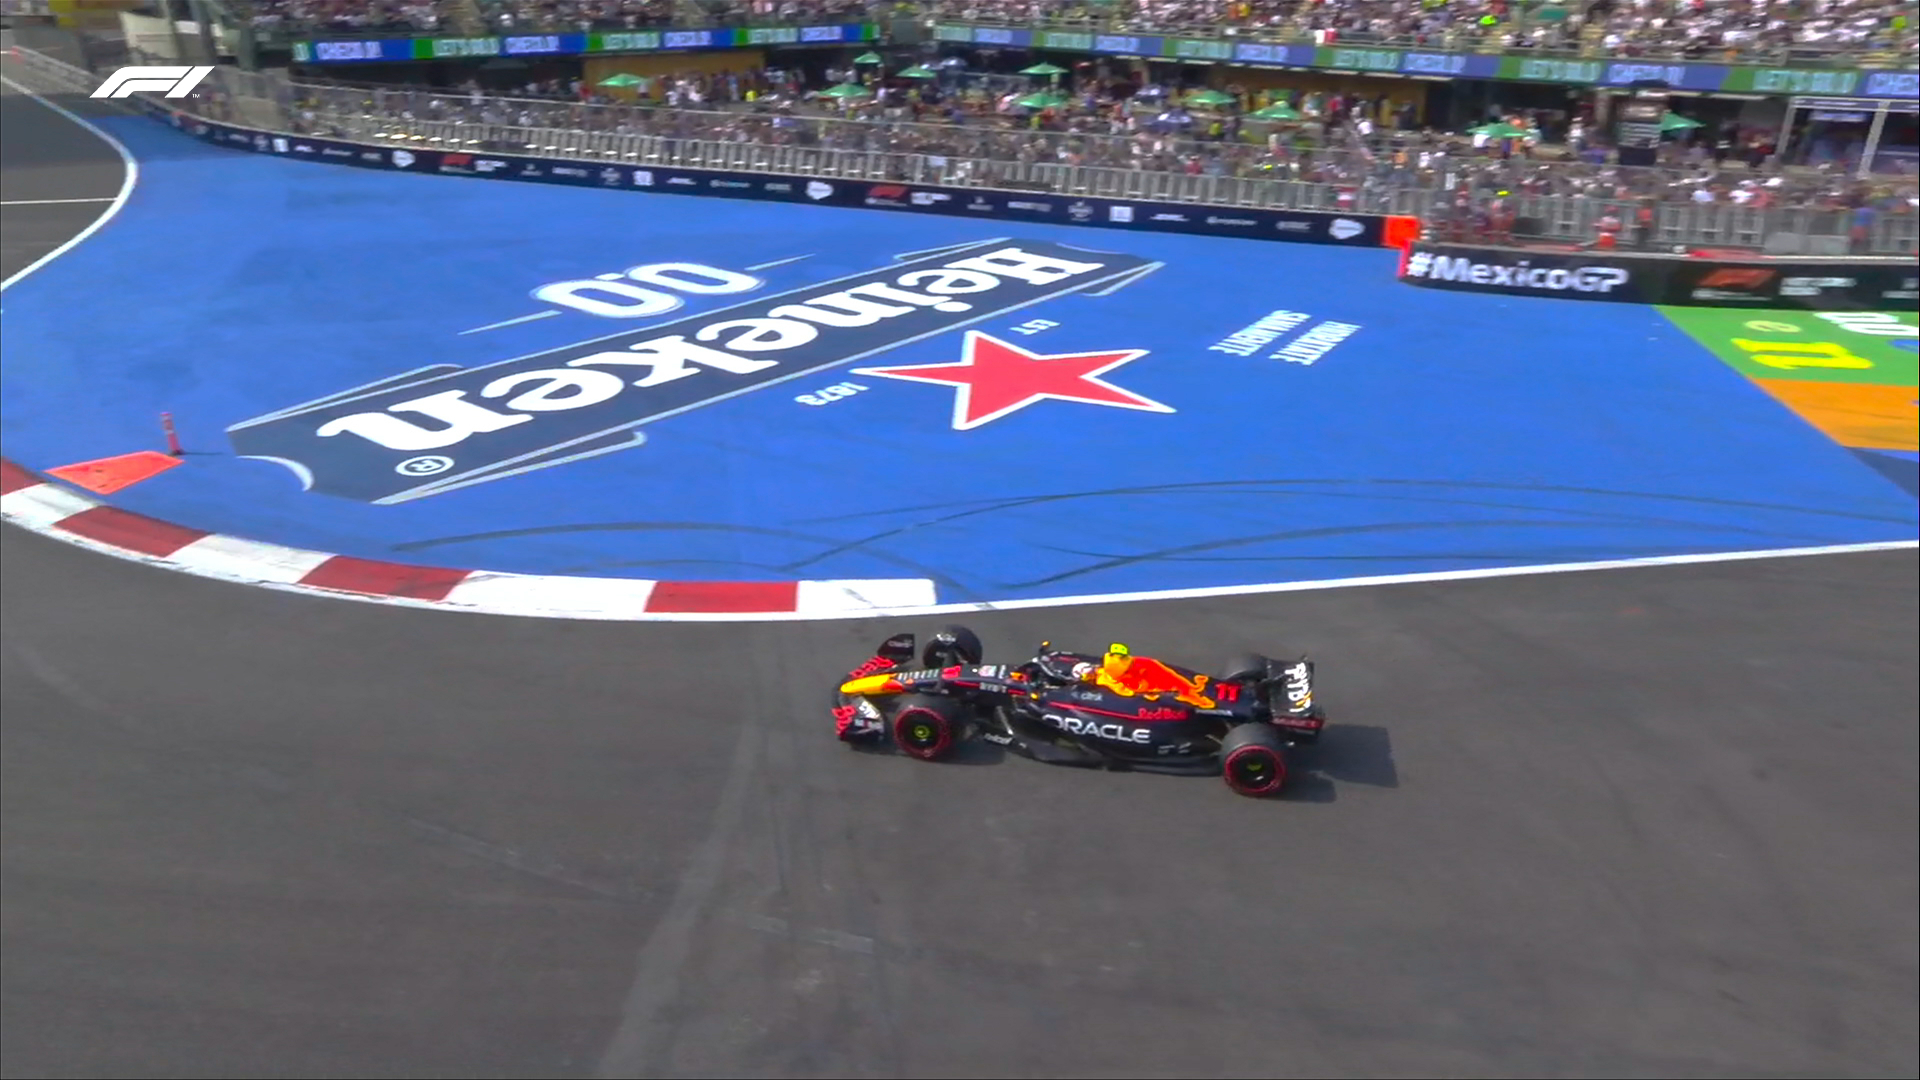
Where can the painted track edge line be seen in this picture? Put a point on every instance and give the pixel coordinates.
(50, 510)
(129, 178)
(1424, 577)
(530, 600)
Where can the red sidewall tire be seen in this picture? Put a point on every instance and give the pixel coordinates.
(1276, 762)
(926, 750)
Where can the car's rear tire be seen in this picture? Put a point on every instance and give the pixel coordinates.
(1253, 760)
(952, 645)
(927, 727)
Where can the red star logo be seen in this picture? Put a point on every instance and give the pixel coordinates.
(996, 378)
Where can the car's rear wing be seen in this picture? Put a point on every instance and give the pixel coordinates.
(898, 648)
(1288, 693)
(891, 654)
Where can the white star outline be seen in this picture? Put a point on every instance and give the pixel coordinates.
(964, 397)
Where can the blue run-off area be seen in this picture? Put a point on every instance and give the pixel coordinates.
(778, 392)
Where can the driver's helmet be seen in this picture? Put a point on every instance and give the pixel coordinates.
(1117, 659)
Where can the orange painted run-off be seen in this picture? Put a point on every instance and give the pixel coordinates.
(1867, 416)
(108, 475)
(1400, 231)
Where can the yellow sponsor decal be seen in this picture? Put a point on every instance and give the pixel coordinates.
(1791, 355)
(872, 684)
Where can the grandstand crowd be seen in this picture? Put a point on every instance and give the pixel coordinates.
(1371, 146)
(1612, 27)
(527, 16)
(1696, 28)
(582, 15)
(344, 16)
(1345, 140)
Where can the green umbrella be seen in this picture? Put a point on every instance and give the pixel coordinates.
(919, 71)
(1043, 101)
(1044, 69)
(1501, 130)
(847, 90)
(870, 58)
(1211, 97)
(622, 80)
(1278, 111)
(1675, 122)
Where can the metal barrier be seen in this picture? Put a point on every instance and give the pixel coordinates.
(1337, 157)
(45, 73)
(1340, 157)
(256, 100)
(1561, 219)
(986, 137)
(1685, 225)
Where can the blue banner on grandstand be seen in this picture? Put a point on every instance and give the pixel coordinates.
(1677, 76)
(1892, 84)
(997, 36)
(350, 52)
(375, 50)
(1257, 54)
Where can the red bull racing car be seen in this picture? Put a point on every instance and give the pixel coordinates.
(1112, 710)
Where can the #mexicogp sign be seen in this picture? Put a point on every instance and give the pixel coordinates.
(1864, 284)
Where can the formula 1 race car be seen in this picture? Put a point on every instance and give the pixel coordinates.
(1116, 710)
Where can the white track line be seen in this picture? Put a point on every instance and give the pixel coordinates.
(131, 178)
(482, 597)
(778, 262)
(52, 202)
(510, 322)
(1432, 576)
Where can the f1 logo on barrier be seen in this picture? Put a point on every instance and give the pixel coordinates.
(1737, 277)
(173, 82)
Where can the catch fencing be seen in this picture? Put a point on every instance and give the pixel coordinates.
(747, 142)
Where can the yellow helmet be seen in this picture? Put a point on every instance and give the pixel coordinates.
(1118, 657)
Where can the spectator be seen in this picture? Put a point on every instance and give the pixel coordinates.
(359, 16)
(1109, 126)
(344, 16)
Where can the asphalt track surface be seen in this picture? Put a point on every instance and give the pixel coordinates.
(1653, 822)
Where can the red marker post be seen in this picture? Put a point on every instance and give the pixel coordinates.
(173, 437)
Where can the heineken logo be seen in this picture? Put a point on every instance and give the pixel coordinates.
(441, 427)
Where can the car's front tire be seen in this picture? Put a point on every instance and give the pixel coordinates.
(926, 727)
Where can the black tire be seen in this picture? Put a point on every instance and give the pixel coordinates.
(1247, 667)
(926, 727)
(952, 645)
(1253, 760)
